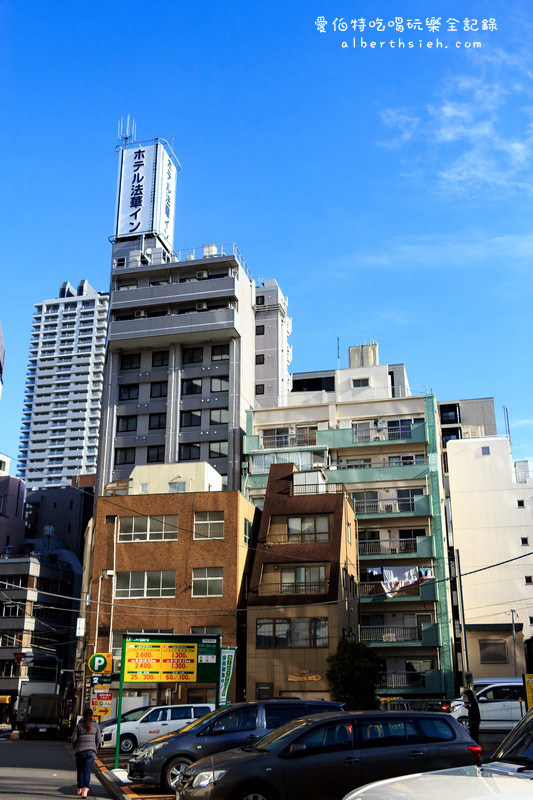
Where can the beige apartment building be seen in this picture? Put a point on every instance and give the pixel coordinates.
(492, 516)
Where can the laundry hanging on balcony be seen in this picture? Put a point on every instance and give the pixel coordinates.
(397, 578)
(425, 573)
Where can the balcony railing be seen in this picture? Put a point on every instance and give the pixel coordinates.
(298, 587)
(403, 680)
(289, 440)
(390, 634)
(392, 506)
(387, 547)
(383, 435)
(297, 538)
(318, 488)
(384, 462)
(375, 589)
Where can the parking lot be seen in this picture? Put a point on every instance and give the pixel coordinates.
(106, 761)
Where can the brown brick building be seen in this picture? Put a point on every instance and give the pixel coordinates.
(303, 593)
(176, 563)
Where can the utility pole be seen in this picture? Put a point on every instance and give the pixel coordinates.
(513, 612)
(463, 621)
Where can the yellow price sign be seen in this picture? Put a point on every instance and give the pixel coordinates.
(160, 662)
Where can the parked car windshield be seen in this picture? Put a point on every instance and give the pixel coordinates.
(136, 713)
(518, 747)
(273, 740)
(127, 716)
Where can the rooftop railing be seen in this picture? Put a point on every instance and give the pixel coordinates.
(160, 257)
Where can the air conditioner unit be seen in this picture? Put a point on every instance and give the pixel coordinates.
(190, 257)
(389, 637)
(139, 313)
(210, 250)
(201, 306)
(202, 274)
(380, 425)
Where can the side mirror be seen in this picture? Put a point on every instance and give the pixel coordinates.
(297, 750)
(483, 700)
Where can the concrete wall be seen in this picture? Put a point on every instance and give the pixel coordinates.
(489, 526)
(198, 477)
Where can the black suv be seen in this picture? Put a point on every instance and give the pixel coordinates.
(162, 760)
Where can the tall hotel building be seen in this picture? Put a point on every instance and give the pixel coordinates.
(193, 342)
(61, 415)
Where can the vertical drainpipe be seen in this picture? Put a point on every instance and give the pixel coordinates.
(172, 408)
(113, 582)
(441, 574)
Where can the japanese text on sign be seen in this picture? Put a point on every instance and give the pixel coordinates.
(163, 662)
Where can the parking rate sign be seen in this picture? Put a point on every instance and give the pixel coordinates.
(162, 662)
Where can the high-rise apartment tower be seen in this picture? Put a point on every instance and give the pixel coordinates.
(61, 416)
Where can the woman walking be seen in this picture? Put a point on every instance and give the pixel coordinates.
(474, 717)
(86, 740)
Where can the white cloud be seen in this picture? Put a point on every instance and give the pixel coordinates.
(431, 251)
(477, 129)
(521, 423)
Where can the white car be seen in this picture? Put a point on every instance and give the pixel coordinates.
(501, 705)
(509, 776)
(144, 724)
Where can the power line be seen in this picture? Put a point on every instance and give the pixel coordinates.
(209, 611)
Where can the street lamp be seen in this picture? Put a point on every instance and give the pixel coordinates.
(106, 573)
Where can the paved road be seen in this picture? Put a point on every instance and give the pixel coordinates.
(35, 770)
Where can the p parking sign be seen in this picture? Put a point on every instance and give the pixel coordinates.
(101, 663)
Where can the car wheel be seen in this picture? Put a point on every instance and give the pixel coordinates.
(173, 771)
(128, 744)
(254, 792)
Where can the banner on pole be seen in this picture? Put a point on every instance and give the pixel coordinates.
(227, 664)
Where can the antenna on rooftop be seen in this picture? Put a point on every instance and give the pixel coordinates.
(506, 421)
(338, 352)
(127, 131)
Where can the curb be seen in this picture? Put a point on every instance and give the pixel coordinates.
(111, 782)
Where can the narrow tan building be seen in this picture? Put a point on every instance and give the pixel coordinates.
(303, 591)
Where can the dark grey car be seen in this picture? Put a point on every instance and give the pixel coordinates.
(327, 755)
(162, 760)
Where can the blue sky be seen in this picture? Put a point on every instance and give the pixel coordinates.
(388, 190)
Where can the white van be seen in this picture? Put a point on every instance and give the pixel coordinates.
(143, 724)
(501, 704)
